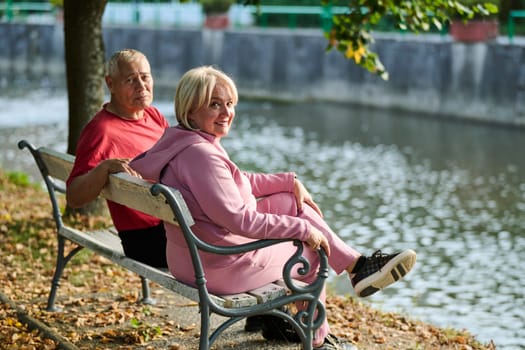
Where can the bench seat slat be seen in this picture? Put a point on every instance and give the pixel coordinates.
(236, 301)
(101, 242)
(268, 292)
(107, 244)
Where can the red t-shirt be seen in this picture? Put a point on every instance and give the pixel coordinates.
(108, 136)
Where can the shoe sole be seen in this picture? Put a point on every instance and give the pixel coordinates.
(392, 272)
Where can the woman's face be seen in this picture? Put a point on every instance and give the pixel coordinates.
(217, 117)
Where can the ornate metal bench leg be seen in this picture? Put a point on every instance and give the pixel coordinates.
(62, 261)
(52, 294)
(55, 282)
(146, 293)
(204, 341)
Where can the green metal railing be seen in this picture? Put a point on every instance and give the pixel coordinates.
(513, 15)
(22, 9)
(11, 9)
(325, 13)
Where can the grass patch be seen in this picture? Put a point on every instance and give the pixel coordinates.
(18, 178)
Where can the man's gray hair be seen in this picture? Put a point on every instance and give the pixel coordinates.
(126, 55)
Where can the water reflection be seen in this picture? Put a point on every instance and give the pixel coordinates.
(454, 192)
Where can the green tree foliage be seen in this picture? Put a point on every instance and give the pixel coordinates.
(351, 33)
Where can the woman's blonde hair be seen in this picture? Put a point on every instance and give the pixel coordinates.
(195, 88)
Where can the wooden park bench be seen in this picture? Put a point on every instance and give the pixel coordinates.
(167, 204)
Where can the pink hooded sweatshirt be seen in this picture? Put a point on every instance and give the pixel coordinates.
(222, 200)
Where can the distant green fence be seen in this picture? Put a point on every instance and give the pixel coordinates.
(11, 10)
(264, 15)
(513, 16)
(322, 13)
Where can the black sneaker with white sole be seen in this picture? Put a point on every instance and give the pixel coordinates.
(381, 270)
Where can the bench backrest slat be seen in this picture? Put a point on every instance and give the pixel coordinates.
(135, 193)
(58, 164)
(121, 188)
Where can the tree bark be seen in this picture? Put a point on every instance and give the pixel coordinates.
(85, 56)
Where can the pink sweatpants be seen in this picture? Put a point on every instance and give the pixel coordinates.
(256, 269)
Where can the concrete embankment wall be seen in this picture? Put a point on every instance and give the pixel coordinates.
(428, 74)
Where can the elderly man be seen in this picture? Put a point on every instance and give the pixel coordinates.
(125, 126)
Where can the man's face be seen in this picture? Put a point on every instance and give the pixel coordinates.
(132, 87)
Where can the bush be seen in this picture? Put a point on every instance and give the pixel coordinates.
(216, 6)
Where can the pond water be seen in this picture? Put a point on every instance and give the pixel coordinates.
(453, 191)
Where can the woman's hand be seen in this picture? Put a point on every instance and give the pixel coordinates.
(317, 240)
(303, 196)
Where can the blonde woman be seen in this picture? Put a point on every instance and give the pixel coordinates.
(232, 207)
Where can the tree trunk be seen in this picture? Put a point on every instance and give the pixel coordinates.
(84, 51)
(85, 56)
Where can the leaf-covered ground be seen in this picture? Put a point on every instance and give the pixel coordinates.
(100, 299)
